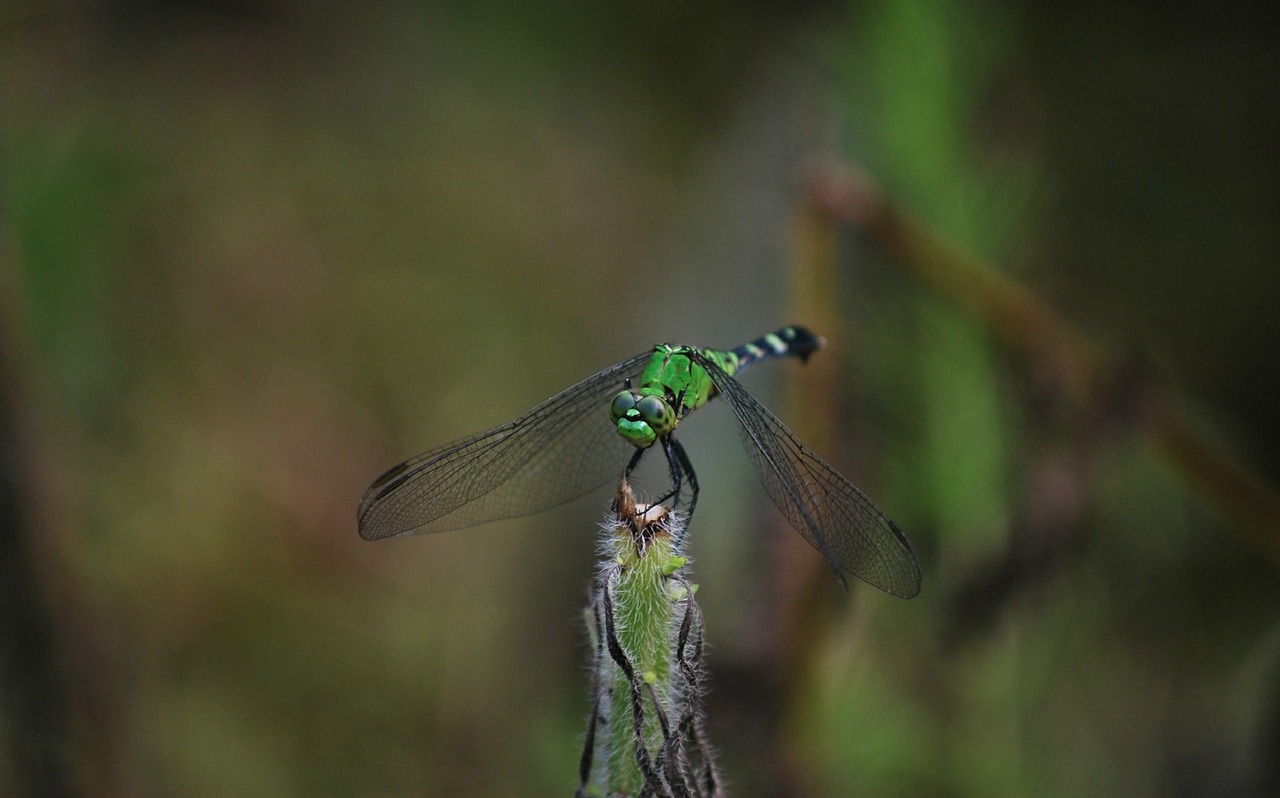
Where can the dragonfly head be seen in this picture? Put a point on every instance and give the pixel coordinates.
(642, 419)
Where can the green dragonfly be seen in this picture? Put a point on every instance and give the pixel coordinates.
(564, 448)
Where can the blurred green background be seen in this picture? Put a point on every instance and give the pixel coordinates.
(255, 253)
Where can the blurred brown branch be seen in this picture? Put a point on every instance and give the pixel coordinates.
(1082, 369)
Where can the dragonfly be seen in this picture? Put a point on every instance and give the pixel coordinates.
(574, 442)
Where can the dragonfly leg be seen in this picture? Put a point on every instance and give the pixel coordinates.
(631, 466)
(635, 461)
(687, 467)
(672, 464)
(669, 446)
(680, 469)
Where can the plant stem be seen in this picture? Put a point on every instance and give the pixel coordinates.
(648, 647)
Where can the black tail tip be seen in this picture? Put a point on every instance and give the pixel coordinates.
(801, 341)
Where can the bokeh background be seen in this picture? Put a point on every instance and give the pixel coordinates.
(256, 252)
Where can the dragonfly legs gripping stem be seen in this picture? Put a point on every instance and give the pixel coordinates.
(680, 468)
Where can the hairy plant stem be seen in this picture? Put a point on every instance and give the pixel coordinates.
(647, 635)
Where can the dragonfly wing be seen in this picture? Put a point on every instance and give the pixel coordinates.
(828, 510)
(556, 452)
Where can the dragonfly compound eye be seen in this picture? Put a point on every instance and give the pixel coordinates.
(623, 403)
(657, 414)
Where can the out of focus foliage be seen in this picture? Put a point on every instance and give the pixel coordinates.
(253, 254)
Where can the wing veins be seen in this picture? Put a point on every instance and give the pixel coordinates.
(434, 485)
(829, 511)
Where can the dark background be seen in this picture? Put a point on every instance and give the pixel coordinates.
(255, 253)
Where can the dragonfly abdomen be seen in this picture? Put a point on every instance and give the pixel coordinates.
(795, 341)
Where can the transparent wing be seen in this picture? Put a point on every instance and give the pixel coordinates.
(827, 509)
(556, 452)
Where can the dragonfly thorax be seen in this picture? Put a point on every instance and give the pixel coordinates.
(642, 418)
